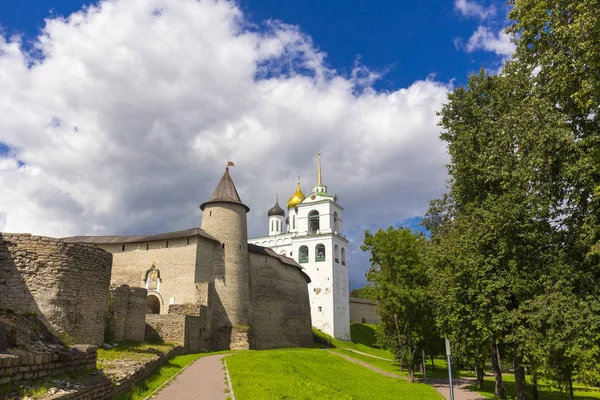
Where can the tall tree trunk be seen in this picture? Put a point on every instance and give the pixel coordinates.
(536, 395)
(571, 397)
(432, 363)
(520, 383)
(401, 358)
(411, 372)
(479, 376)
(497, 369)
(422, 366)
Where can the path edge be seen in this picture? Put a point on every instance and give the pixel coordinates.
(168, 380)
(229, 384)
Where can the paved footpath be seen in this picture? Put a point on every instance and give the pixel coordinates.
(441, 385)
(202, 380)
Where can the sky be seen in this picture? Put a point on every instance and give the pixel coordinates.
(118, 117)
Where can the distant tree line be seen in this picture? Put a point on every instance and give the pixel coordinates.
(511, 270)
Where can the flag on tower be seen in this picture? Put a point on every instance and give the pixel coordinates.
(230, 164)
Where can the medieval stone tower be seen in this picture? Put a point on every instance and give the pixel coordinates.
(224, 217)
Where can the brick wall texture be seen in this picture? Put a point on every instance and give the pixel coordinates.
(188, 331)
(27, 367)
(66, 284)
(227, 223)
(280, 315)
(128, 308)
(362, 310)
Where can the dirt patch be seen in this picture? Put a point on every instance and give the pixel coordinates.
(25, 332)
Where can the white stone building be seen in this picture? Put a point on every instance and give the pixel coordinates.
(311, 234)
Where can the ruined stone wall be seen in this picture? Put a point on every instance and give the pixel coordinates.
(128, 313)
(16, 369)
(363, 311)
(280, 315)
(176, 259)
(66, 284)
(187, 331)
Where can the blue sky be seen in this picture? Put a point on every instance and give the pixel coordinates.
(405, 40)
(117, 119)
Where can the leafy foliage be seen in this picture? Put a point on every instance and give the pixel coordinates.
(399, 277)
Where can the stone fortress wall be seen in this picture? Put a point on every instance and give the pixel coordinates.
(280, 307)
(65, 284)
(363, 311)
(128, 313)
(175, 257)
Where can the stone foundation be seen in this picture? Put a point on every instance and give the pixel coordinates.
(23, 368)
(239, 338)
(188, 331)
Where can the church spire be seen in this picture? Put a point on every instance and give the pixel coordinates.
(319, 187)
(319, 180)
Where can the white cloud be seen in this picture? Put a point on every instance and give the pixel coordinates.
(125, 124)
(484, 39)
(472, 9)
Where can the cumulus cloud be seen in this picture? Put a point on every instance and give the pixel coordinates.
(484, 39)
(121, 119)
(472, 9)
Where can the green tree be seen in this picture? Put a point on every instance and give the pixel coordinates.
(367, 292)
(399, 276)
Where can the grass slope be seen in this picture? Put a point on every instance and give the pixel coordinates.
(363, 337)
(363, 334)
(313, 374)
(441, 370)
(546, 392)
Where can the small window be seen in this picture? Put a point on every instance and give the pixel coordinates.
(337, 253)
(313, 221)
(188, 240)
(343, 256)
(147, 246)
(294, 222)
(222, 245)
(272, 229)
(210, 213)
(320, 309)
(123, 248)
(320, 252)
(303, 257)
(167, 246)
(335, 223)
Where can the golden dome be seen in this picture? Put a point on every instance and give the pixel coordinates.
(296, 197)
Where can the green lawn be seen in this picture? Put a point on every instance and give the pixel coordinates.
(313, 374)
(441, 370)
(363, 338)
(131, 351)
(363, 334)
(546, 392)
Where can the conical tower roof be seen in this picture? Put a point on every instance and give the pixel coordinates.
(225, 193)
